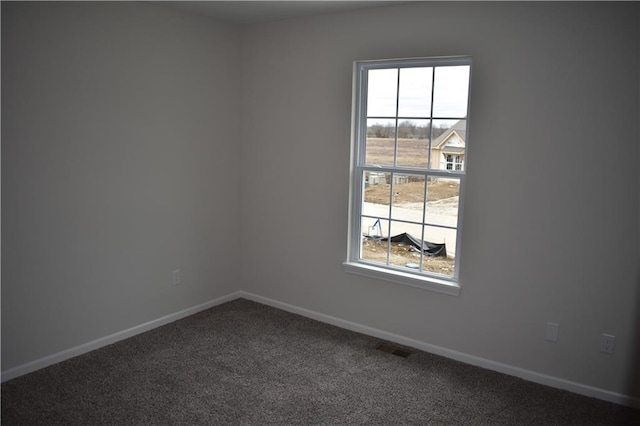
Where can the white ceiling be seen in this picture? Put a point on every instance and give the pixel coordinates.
(247, 12)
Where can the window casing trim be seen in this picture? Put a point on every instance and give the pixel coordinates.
(445, 284)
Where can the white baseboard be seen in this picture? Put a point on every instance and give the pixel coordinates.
(113, 338)
(531, 376)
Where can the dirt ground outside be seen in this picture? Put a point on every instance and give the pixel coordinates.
(411, 152)
(412, 192)
(402, 255)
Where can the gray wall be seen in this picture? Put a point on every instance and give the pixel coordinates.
(119, 164)
(137, 140)
(551, 214)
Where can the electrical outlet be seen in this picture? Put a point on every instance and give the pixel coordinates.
(553, 330)
(176, 276)
(607, 342)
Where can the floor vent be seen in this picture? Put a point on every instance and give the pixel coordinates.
(391, 349)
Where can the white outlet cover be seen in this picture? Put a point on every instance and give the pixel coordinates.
(553, 330)
(607, 343)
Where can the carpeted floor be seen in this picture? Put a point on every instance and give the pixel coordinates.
(246, 363)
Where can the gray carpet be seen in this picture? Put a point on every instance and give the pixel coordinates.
(246, 363)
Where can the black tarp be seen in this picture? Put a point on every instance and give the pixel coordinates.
(429, 249)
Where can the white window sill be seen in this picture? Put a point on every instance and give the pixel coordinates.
(399, 277)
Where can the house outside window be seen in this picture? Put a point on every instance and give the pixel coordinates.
(408, 170)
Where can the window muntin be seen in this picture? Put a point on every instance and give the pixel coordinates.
(409, 155)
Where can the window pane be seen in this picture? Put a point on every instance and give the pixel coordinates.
(413, 143)
(382, 93)
(443, 196)
(449, 145)
(415, 92)
(408, 198)
(451, 91)
(405, 244)
(381, 142)
(438, 241)
(377, 191)
(374, 244)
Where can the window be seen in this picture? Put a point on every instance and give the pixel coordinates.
(451, 163)
(408, 170)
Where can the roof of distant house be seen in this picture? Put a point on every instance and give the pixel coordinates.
(460, 128)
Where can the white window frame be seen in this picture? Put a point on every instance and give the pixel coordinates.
(421, 279)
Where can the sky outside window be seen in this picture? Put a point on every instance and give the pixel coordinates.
(450, 92)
